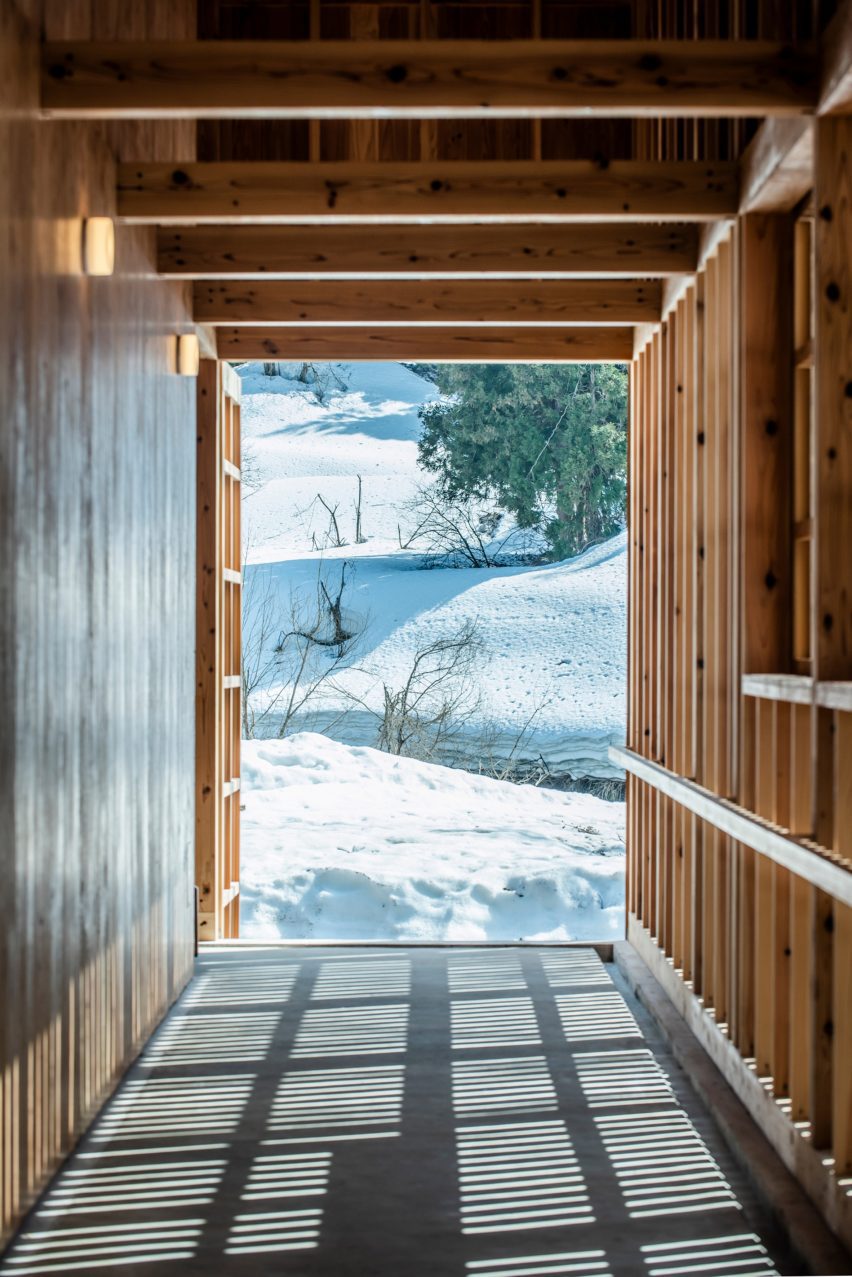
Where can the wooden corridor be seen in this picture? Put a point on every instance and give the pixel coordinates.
(404, 1113)
(663, 183)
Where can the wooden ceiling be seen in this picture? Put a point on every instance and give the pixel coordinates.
(533, 189)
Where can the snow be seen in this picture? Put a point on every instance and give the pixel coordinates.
(303, 447)
(554, 637)
(346, 842)
(341, 841)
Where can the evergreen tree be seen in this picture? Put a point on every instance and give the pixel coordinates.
(548, 442)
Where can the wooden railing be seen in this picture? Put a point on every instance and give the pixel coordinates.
(755, 925)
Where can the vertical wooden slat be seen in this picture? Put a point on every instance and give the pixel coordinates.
(842, 1040)
(833, 198)
(721, 613)
(801, 776)
(634, 429)
(688, 607)
(707, 438)
(822, 1009)
(676, 684)
(647, 662)
(699, 374)
(208, 656)
(801, 1038)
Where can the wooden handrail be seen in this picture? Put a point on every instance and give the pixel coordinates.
(819, 867)
(834, 695)
(795, 689)
(799, 689)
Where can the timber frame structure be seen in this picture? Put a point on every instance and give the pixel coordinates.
(655, 182)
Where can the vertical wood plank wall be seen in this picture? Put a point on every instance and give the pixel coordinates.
(740, 638)
(218, 652)
(97, 624)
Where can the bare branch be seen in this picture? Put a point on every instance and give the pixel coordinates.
(334, 527)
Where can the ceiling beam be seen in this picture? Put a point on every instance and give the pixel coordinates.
(836, 90)
(552, 302)
(452, 191)
(419, 252)
(431, 345)
(426, 79)
(777, 166)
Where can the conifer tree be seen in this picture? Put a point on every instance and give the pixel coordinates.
(547, 442)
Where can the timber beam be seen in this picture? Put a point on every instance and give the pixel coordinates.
(441, 192)
(836, 92)
(357, 252)
(426, 79)
(431, 345)
(541, 303)
(777, 167)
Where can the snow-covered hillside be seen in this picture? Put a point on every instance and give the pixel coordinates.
(367, 425)
(553, 636)
(343, 842)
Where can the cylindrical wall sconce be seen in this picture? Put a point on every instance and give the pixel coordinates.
(188, 355)
(98, 246)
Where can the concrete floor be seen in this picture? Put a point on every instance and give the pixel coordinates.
(403, 1113)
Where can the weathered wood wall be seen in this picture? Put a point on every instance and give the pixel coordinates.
(97, 455)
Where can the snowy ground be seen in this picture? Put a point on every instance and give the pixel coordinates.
(349, 843)
(343, 842)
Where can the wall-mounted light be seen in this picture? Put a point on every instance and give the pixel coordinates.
(188, 355)
(98, 246)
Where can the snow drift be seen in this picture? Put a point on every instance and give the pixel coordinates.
(345, 842)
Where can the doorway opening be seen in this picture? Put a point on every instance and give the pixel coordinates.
(429, 563)
(433, 652)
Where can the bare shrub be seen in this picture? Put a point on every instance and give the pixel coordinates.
(322, 379)
(291, 656)
(260, 607)
(251, 472)
(460, 532)
(438, 697)
(360, 539)
(504, 757)
(332, 536)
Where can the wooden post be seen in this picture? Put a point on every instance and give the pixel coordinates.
(218, 649)
(833, 535)
(208, 651)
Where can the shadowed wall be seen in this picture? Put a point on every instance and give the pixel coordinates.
(97, 528)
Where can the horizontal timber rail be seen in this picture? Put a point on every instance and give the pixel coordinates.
(431, 344)
(799, 689)
(356, 252)
(452, 191)
(475, 302)
(824, 869)
(835, 695)
(427, 79)
(791, 689)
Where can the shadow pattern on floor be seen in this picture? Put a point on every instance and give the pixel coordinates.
(403, 1113)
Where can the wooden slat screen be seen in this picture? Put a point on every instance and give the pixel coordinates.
(218, 651)
(735, 464)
